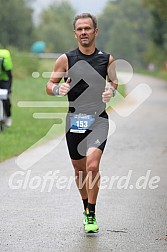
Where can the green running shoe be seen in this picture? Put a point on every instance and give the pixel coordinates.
(84, 218)
(91, 225)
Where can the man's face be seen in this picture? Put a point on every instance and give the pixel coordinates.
(85, 32)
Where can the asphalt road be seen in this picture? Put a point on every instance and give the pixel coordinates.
(40, 213)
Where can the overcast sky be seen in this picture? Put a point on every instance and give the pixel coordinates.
(92, 6)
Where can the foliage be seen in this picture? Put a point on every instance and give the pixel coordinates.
(125, 27)
(158, 10)
(160, 6)
(16, 26)
(55, 27)
(135, 30)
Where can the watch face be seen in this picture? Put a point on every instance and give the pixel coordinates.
(56, 90)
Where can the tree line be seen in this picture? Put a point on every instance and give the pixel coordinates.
(135, 30)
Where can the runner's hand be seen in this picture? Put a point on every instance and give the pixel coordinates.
(64, 87)
(107, 94)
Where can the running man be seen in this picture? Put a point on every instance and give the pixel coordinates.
(86, 71)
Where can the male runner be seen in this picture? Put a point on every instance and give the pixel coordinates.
(87, 70)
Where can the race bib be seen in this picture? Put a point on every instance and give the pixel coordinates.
(79, 123)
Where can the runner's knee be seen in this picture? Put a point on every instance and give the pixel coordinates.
(79, 167)
(93, 166)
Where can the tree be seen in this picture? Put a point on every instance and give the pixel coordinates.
(55, 27)
(125, 27)
(160, 6)
(16, 25)
(158, 10)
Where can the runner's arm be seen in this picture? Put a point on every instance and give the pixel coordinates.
(59, 71)
(112, 76)
(111, 82)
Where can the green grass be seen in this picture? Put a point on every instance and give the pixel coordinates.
(27, 130)
(161, 74)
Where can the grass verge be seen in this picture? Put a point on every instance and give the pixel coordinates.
(162, 74)
(26, 130)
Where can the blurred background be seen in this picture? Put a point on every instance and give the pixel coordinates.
(133, 30)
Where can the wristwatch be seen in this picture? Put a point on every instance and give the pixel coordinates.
(55, 90)
(113, 91)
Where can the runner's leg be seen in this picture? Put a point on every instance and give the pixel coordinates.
(92, 168)
(80, 176)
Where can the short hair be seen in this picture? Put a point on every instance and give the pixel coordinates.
(86, 15)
